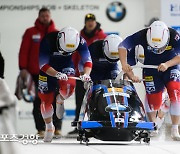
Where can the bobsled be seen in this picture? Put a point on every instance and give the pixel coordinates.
(113, 111)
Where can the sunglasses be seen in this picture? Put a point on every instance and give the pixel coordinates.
(90, 16)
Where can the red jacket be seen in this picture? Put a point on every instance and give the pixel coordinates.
(97, 34)
(29, 50)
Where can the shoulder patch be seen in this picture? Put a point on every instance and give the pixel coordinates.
(177, 37)
(82, 41)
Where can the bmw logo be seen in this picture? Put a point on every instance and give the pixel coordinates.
(116, 11)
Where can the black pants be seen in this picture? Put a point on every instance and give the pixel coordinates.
(79, 95)
(39, 122)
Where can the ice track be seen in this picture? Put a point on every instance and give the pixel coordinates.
(71, 146)
(162, 144)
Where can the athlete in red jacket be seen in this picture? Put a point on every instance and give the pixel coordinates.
(29, 60)
(29, 51)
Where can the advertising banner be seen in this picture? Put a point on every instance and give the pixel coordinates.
(170, 13)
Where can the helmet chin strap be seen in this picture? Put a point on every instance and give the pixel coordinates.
(110, 60)
(66, 54)
(159, 51)
(62, 52)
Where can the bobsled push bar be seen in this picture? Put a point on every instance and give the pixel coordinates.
(134, 125)
(133, 67)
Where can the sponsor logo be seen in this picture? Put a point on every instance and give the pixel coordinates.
(43, 86)
(175, 74)
(141, 56)
(115, 89)
(168, 48)
(116, 93)
(116, 11)
(148, 78)
(68, 71)
(42, 78)
(149, 84)
(150, 89)
(175, 9)
(114, 53)
(156, 40)
(70, 45)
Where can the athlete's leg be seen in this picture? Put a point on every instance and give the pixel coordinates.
(47, 113)
(173, 88)
(172, 81)
(165, 106)
(154, 88)
(47, 87)
(154, 102)
(65, 91)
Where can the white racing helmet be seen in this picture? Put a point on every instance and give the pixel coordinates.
(158, 36)
(110, 47)
(139, 53)
(68, 41)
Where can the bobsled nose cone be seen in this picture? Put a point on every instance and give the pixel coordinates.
(117, 107)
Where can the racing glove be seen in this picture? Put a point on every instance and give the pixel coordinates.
(85, 78)
(61, 76)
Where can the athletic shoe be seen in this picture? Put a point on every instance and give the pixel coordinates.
(48, 135)
(74, 132)
(175, 134)
(57, 133)
(154, 133)
(159, 122)
(40, 133)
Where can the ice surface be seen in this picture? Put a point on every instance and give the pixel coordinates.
(161, 144)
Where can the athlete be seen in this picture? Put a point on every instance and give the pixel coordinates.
(137, 53)
(56, 66)
(104, 54)
(161, 48)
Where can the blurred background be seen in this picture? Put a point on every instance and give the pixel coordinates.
(16, 16)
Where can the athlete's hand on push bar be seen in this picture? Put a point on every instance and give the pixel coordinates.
(136, 79)
(126, 68)
(85, 78)
(61, 76)
(162, 67)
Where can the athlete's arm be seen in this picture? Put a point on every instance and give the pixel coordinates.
(176, 60)
(127, 44)
(85, 57)
(164, 66)
(44, 56)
